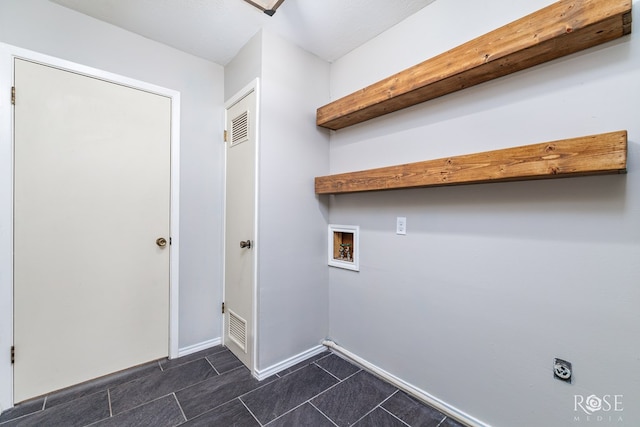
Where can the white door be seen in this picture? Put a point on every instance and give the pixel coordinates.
(240, 228)
(92, 196)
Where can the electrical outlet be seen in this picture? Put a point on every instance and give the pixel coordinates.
(562, 370)
(401, 225)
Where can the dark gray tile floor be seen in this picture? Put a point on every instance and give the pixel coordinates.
(212, 388)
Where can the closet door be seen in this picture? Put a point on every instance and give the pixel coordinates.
(240, 218)
(92, 188)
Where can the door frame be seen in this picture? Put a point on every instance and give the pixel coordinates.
(8, 54)
(253, 86)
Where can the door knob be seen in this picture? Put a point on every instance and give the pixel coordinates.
(161, 241)
(245, 244)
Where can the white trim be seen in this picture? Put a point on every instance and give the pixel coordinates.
(8, 53)
(174, 226)
(256, 227)
(285, 364)
(185, 351)
(6, 228)
(253, 86)
(445, 408)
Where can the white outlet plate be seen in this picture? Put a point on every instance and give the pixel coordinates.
(401, 225)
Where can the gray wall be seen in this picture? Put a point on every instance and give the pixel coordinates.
(245, 67)
(293, 295)
(48, 28)
(493, 281)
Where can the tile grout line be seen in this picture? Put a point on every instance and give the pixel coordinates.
(298, 406)
(281, 375)
(231, 400)
(394, 415)
(252, 414)
(143, 404)
(109, 400)
(355, 373)
(179, 405)
(335, 385)
(190, 385)
(364, 416)
(211, 364)
(257, 388)
(325, 415)
(442, 421)
(390, 396)
(205, 353)
(398, 391)
(6, 422)
(18, 418)
(377, 406)
(301, 367)
(288, 412)
(323, 357)
(339, 380)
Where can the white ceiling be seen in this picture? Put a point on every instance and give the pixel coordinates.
(217, 29)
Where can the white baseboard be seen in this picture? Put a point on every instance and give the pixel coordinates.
(410, 389)
(271, 370)
(199, 347)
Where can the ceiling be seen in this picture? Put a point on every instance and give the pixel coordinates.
(217, 29)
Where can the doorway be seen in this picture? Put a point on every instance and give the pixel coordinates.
(58, 190)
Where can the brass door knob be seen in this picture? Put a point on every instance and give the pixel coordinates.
(161, 241)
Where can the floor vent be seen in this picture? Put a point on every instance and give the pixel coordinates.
(238, 330)
(240, 128)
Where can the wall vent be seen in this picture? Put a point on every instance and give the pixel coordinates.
(240, 128)
(238, 330)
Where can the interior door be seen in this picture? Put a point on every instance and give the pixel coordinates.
(240, 228)
(92, 196)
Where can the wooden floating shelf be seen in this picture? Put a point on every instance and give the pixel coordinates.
(589, 155)
(563, 28)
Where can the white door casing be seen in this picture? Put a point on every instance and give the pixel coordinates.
(7, 56)
(240, 225)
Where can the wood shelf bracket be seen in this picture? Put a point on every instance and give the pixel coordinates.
(589, 155)
(563, 28)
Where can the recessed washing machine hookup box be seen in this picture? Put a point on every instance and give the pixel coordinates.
(344, 250)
